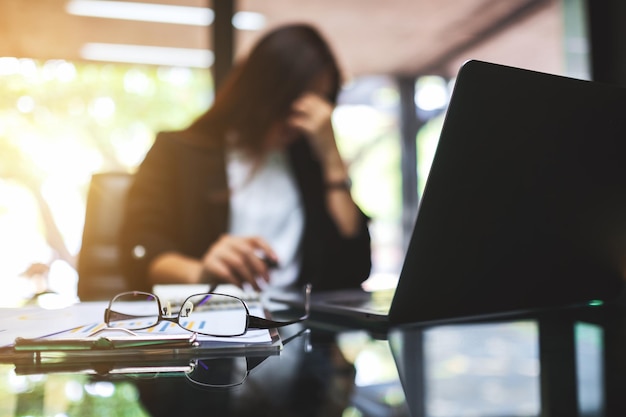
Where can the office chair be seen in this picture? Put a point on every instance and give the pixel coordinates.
(99, 272)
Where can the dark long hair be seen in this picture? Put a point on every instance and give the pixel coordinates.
(261, 89)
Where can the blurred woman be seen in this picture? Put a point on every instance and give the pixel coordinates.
(254, 192)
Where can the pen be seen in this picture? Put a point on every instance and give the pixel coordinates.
(42, 344)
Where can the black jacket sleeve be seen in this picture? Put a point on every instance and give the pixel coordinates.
(329, 260)
(149, 226)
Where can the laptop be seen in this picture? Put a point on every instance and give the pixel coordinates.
(524, 207)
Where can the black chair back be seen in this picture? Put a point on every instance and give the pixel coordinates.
(99, 273)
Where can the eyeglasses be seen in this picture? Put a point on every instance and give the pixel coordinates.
(209, 314)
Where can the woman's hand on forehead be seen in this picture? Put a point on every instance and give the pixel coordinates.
(311, 114)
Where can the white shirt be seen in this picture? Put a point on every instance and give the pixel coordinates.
(266, 203)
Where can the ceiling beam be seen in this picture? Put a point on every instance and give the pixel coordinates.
(441, 63)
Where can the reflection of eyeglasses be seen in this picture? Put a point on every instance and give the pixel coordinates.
(218, 372)
(208, 314)
(226, 372)
(209, 372)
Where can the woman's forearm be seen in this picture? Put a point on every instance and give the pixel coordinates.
(174, 268)
(339, 200)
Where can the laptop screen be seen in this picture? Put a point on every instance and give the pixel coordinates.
(525, 203)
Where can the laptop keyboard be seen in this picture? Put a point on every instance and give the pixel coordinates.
(379, 302)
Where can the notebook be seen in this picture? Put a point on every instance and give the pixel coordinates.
(524, 207)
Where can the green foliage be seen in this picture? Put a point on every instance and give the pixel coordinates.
(121, 401)
(97, 113)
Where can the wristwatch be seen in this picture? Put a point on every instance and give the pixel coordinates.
(345, 184)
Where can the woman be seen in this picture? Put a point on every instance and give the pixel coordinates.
(255, 190)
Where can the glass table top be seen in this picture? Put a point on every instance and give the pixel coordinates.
(474, 369)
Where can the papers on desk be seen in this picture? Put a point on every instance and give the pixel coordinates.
(79, 323)
(32, 322)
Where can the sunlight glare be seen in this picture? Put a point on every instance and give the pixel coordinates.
(68, 209)
(28, 69)
(25, 104)
(22, 241)
(131, 144)
(178, 76)
(100, 389)
(64, 159)
(102, 108)
(431, 93)
(358, 121)
(63, 280)
(371, 368)
(138, 82)
(9, 65)
(58, 69)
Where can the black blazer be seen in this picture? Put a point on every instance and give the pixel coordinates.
(179, 201)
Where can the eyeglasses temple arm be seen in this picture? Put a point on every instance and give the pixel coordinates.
(255, 322)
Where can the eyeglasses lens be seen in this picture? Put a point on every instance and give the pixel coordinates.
(219, 372)
(214, 314)
(133, 311)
